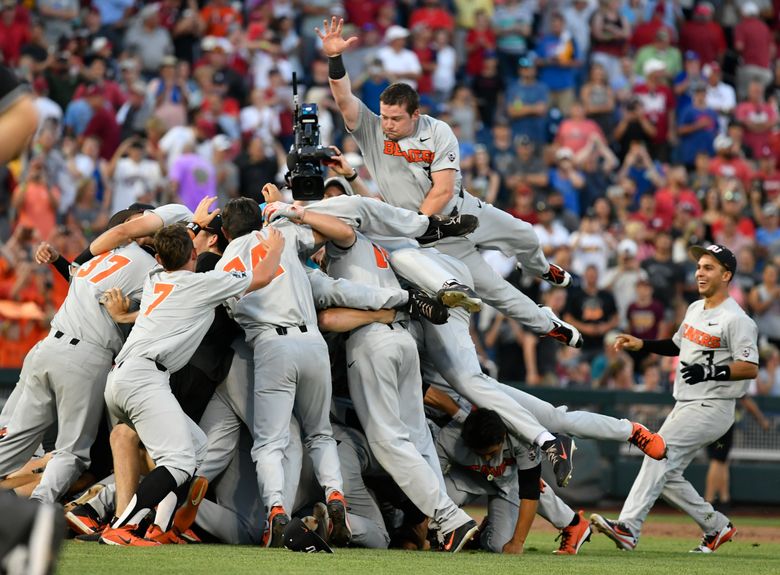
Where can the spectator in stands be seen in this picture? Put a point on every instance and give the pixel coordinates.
(192, 178)
(703, 36)
(720, 96)
(488, 87)
(422, 47)
(219, 18)
(645, 173)
(135, 112)
(400, 64)
(482, 181)
(756, 48)
(663, 51)
(13, 34)
(697, 127)
(757, 116)
(480, 41)
(445, 73)
(665, 275)
(170, 92)
(36, 201)
(102, 123)
(610, 34)
(569, 181)
(768, 381)
(255, 169)
(577, 132)
(598, 98)
(658, 103)
(512, 22)
(558, 60)
(551, 232)
(577, 16)
(646, 32)
(592, 311)
(728, 164)
(590, 246)
(96, 73)
(764, 301)
(431, 14)
(645, 318)
(148, 40)
(670, 198)
(690, 77)
(134, 177)
(226, 172)
(623, 278)
(527, 101)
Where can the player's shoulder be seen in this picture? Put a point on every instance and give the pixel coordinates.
(172, 213)
(733, 311)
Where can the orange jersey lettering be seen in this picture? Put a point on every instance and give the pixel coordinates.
(700, 338)
(412, 156)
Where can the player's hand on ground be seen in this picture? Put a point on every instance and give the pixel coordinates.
(628, 342)
(332, 42)
(271, 193)
(46, 253)
(202, 216)
(513, 548)
(115, 302)
(274, 241)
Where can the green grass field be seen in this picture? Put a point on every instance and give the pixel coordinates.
(656, 555)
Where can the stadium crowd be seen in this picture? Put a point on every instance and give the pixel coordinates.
(625, 131)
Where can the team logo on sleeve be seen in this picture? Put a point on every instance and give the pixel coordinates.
(412, 156)
(746, 352)
(451, 156)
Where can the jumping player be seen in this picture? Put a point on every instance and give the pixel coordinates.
(718, 349)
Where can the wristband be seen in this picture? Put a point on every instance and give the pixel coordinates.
(336, 69)
(193, 228)
(353, 177)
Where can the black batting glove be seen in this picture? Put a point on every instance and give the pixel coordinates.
(696, 373)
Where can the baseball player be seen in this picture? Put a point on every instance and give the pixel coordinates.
(717, 346)
(68, 370)
(280, 322)
(177, 308)
(414, 160)
(385, 386)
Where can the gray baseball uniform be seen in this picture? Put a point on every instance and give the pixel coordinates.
(385, 386)
(172, 214)
(469, 477)
(66, 372)
(703, 413)
(177, 309)
(402, 170)
(280, 322)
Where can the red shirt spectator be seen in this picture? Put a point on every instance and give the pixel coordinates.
(433, 16)
(758, 117)
(422, 47)
(103, 123)
(657, 102)
(731, 167)
(646, 32)
(219, 17)
(111, 92)
(577, 131)
(753, 41)
(479, 40)
(362, 12)
(13, 35)
(669, 199)
(703, 36)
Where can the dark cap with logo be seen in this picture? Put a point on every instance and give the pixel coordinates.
(298, 537)
(719, 252)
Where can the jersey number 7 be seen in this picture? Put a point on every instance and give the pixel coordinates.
(117, 263)
(162, 291)
(258, 253)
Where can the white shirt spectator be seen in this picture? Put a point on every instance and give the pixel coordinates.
(589, 249)
(262, 122)
(174, 141)
(555, 237)
(400, 64)
(263, 63)
(48, 110)
(133, 180)
(723, 99)
(444, 74)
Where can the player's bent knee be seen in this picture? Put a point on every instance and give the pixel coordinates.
(123, 435)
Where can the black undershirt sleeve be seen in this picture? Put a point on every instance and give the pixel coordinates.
(661, 347)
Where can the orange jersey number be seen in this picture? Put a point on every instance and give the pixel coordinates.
(163, 291)
(381, 256)
(117, 263)
(258, 253)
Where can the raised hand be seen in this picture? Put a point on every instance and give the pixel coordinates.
(202, 216)
(274, 242)
(271, 193)
(629, 342)
(46, 254)
(332, 42)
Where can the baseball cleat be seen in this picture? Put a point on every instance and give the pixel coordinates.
(560, 452)
(557, 276)
(155, 533)
(456, 294)
(652, 444)
(191, 537)
(339, 531)
(320, 513)
(422, 305)
(573, 536)
(273, 536)
(711, 542)
(440, 227)
(83, 520)
(623, 537)
(125, 537)
(562, 331)
(185, 515)
(3, 432)
(457, 538)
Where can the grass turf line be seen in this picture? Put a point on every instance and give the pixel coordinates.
(600, 556)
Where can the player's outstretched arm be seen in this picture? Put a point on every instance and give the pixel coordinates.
(334, 45)
(343, 319)
(665, 347)
(266, 268)
(325, 227)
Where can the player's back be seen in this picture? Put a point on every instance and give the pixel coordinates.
(177, 309)
(364, 262)
(715, 336)
(81, 315)
(287, 300)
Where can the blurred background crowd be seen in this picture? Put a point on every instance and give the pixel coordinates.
(624, 130)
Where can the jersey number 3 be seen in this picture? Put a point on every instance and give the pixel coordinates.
(117, 263)
(258, 253)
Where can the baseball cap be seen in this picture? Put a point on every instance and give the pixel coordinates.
(298, 537)
(722, 142)
(628, 247)
(564, 154)
(525, 62)
(221, 142)
(719, 252)
(215, 227)
(711, 68)
(750, 9)
(691, 55)
(121, 216)
(653, 65)
(396, 32)
(703, 9)
(340, 182)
